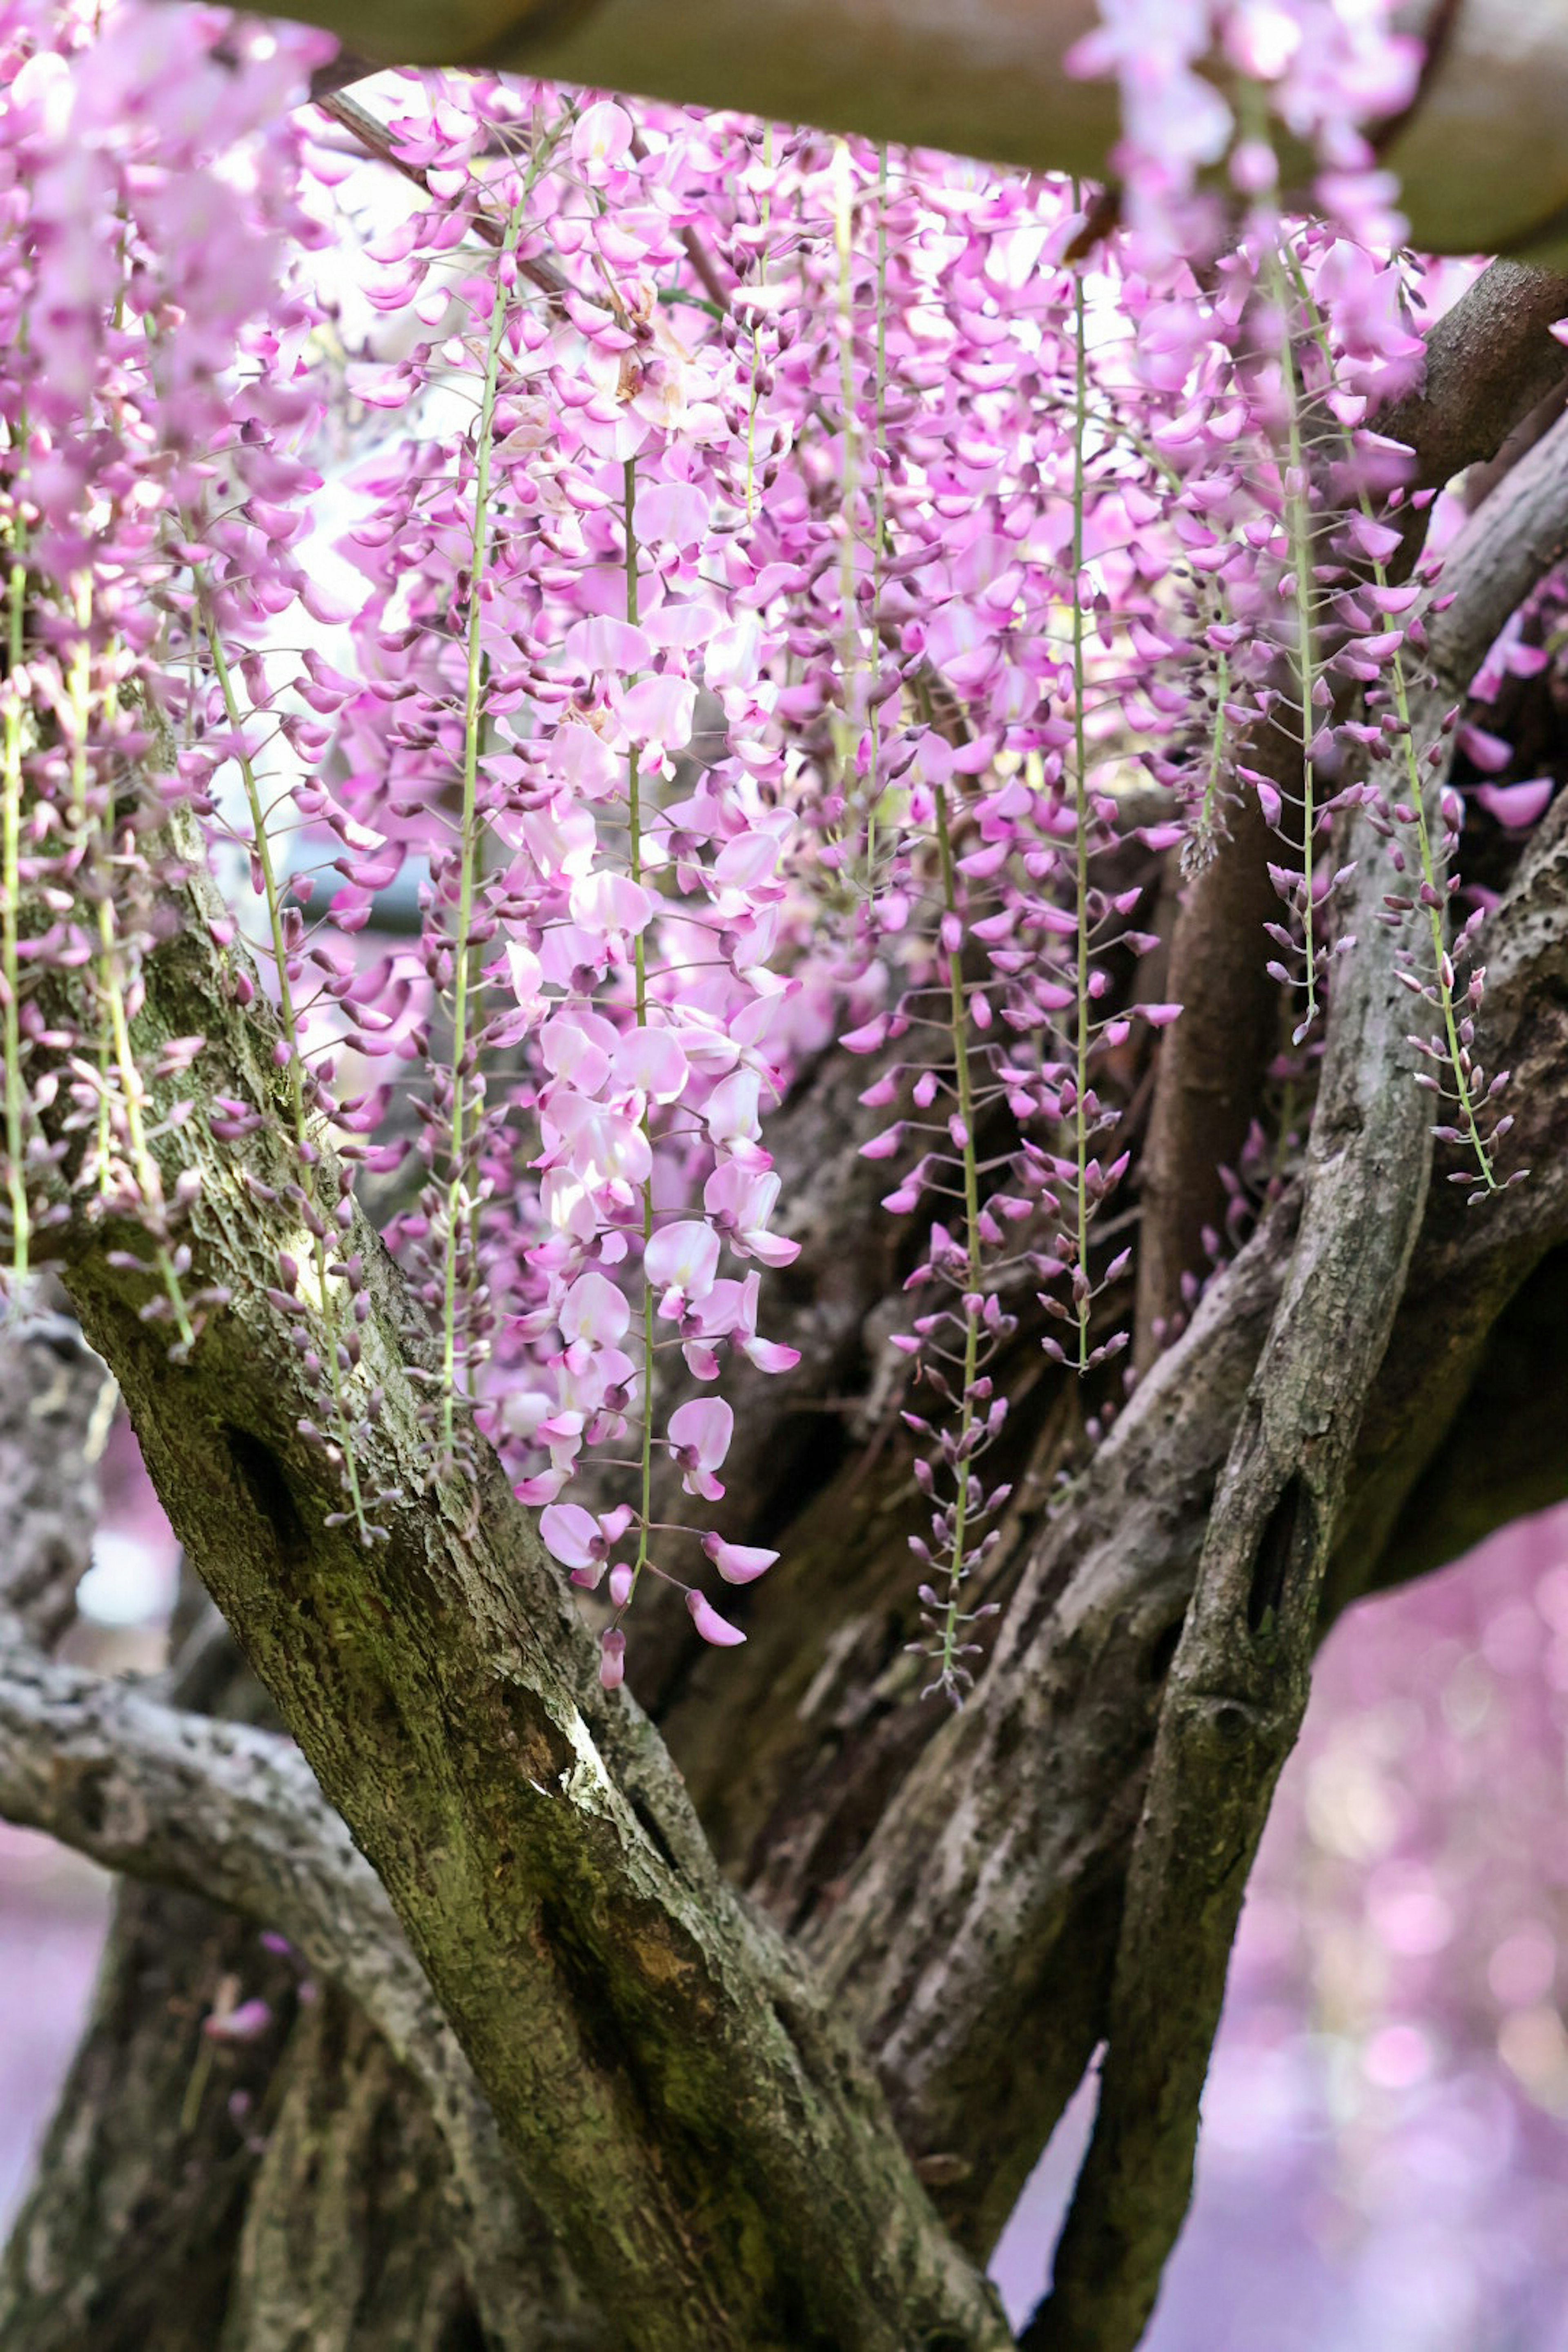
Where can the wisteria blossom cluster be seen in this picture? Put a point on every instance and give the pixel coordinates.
(147, 350)
(1320, 74)
(622, 599)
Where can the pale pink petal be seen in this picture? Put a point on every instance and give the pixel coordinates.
(600, 137)
(610, 902)
(711, 1625)
(770, 1355)
(770, 1249)
(659, 710)
(527, 977)
(732, 1112)
(1491, 753)
(737, 1563)
(683, 1257)
(594, 1310)
(612, 1657)
(1517, 805)
(676, 511)
(605, 643)
(251, 2019)
(569, 1534)
(651, 1060)
(749, 858)
(703, 1428)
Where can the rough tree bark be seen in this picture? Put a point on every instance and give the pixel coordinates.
(680, 2089)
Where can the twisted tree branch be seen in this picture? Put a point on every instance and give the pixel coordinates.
(1238, 1687)
(55, 1402)
(232, 1813)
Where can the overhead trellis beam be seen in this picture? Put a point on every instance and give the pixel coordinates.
(1482, 154)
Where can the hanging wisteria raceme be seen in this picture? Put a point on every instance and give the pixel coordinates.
(623, 599)
(115, 423)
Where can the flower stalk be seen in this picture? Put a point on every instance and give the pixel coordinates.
(459, 1205)
(318, 1223)
(1082, 1295)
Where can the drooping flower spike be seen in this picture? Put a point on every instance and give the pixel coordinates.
(624, 599)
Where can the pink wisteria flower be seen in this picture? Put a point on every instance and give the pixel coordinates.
(579, 1540)
(698, 1439)
(729, 1311)
(680, 1262)
(746, 630)
(737, 1563)
(711, 1625)
(741, 1201)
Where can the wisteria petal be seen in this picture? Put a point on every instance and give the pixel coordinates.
(711, 1625)
(569, 1534)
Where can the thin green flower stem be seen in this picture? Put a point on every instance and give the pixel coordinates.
(878, 509)
(756, 330)
(1299, 528)
(473, 729)
(1114, 425)
(879, 505)
(263, 848)
(1080, 798)
(105, 1039)
(105, 971)
(959, 1019)
(196, 2084)
(146, 1173)
(10, 942)
(114, 1034)
(1412, 768)
(1217, 750)
(289, 1021)
(80, 684)
(639, 967)
(10, 862)
(148, 1180)
(849, 476)
(1441, 963)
